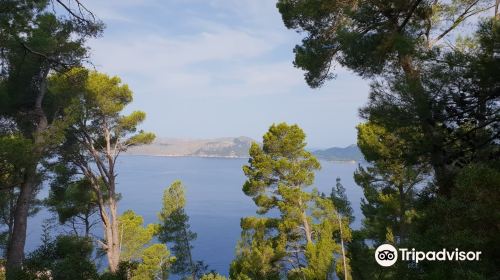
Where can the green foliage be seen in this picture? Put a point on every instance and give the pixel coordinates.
(213, 276)
(105, 97)
(260, 251)
(389, 183)
(124, 272)
(155, 263)
(97, 134)
(282, 164)
(319, 255)
(97, 113)
(342, 204)
(72, 199)
(15, 157)
(153, 260)
(35, 42)
(63, 88)
(2, 269)
(369, 36)
(175, 230)
(469, 220)
(299, 244)
(174, 199)
(106, 94)
(450, 135)
(32, 48)
(362, 261)
(134, 236)
(66, 257)
(431, 111)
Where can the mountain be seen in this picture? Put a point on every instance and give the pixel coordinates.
(349, 153)
(220, 147)
(228, 147)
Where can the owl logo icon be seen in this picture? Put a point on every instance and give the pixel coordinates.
(386, 255)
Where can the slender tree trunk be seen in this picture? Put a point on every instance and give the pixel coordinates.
(305, 224)
(497, 12)
(307, 228)
(9, 219)
(15, 251)
(342, 246)
(114, 237)
(107, 205)
(111, 232)
(87, 224)
(188, 246)
(114, 240)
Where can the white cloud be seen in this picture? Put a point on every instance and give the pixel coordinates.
(216, 60)
(115, 10)
(226, 70)
(140, 52)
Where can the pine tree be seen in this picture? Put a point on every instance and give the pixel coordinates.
(97, 135)
(148, 260)
(34, 42)
(294, 235)
(175, 230)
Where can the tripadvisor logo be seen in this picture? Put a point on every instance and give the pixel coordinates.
(387, 255)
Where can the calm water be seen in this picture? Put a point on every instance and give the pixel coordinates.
(215, 202)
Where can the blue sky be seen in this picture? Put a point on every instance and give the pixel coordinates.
(213, 68)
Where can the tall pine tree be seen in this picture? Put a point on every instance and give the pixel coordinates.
(175, 230)
(293, 236)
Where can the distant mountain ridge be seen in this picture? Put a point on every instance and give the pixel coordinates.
(349, 153)
(228, 147)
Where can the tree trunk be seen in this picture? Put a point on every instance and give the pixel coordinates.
(107, 205)
(344, 263)
(188, 246)
(307, 228)
(113, 237)
(17, 240)
(87, 224)
(305, 224)
(111, 232)
(9, 219)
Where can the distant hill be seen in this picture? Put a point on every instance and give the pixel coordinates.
(228, 147)
(349, 153)
(220, 147)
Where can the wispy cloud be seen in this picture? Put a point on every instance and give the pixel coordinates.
(217, 59)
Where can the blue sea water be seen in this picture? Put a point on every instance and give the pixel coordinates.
(215, 201)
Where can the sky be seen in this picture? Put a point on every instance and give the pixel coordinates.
(220, 68)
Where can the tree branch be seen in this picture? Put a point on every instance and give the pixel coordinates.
(80, 17)
(408, 16)
(459, 20)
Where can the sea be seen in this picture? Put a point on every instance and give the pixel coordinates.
(215, 200)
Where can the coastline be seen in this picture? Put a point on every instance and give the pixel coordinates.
(228, 157)
(187, 156)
